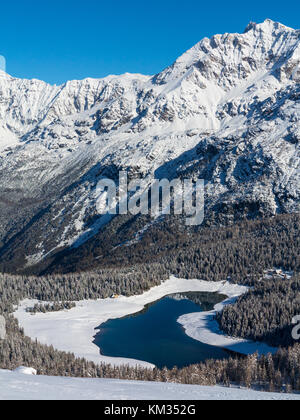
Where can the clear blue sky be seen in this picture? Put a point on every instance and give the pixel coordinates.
(62, 40)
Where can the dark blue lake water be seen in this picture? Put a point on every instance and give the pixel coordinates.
(155, 336)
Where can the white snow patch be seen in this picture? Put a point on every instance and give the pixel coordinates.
(25, 371)
(203, 327)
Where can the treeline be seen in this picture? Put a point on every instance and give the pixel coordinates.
(280, 372)
(51, 307)
(82, 286)
(274, 373)
(265, 313)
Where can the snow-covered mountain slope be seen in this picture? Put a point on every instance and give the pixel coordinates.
(16, 386)
(227, 110)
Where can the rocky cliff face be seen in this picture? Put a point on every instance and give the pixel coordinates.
(228, 111)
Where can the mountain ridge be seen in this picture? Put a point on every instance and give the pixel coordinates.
(227, 111)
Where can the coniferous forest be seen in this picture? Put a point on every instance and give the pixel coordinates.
(240, 253)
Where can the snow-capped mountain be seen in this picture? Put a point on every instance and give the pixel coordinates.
(227, 111)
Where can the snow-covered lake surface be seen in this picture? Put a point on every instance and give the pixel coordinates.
(202, 327)
(16, 386)
(74, 330)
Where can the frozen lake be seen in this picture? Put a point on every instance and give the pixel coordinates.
(155, 336)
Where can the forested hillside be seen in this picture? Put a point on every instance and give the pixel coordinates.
(265, 313)
(240, 253)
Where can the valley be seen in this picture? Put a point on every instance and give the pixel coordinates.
(122, 296)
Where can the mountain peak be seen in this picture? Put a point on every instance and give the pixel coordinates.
(267, 24)
(234, 54)
(227, 110)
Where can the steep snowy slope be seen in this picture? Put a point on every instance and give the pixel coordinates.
(228, 111)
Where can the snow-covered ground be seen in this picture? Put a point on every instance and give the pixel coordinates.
(16, 386)
(74, 330)
(202, 327)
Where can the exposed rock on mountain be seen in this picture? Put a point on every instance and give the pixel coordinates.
(227, 111)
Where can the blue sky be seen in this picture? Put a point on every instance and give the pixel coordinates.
(61, 40)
